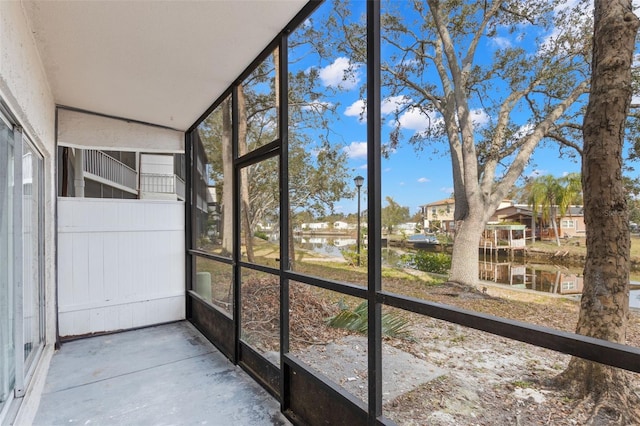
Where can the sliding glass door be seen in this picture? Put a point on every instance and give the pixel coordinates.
(21, 260)
(32, 252)
(7, 343)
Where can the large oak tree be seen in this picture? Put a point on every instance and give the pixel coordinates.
(435, 65)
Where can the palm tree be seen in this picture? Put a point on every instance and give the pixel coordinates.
(571, 190)
(552, 196)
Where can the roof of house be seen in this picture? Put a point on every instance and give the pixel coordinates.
(574, 211)
(444, 202)
(502, 226)
(518, 208)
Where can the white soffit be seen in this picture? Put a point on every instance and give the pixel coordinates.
(89, 130)
(160, 62)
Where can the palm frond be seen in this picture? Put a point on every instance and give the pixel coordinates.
(393, 324)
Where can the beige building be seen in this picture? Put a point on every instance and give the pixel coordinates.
(571, 224)
(438, 215)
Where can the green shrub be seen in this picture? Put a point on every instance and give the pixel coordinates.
(438, 263)
(261, 235)
(351, 256)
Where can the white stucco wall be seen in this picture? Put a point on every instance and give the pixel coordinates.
(26, 92)
(156, 164)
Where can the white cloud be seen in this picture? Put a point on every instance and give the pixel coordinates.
(393, 103)
(423, 180)
(562, 8)
(401, 184)
(363, 167)
(414, 119)
(341, 74)
(524, 130)
(568, 4)
(357, 109)
(447, 190)
(417, 120)
(550, 40)
(387, 170)
(479, 117)
(421, 122)
(388, 106)
(356, 150)
(501, 42)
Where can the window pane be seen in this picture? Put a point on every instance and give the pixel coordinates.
(258, 106)
(7, 321)
(260, 213)
(260, 313)
(214, 282)
(213, 182)
(31, 239)
(327, 145)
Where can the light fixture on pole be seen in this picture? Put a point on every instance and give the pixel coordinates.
(359, 180)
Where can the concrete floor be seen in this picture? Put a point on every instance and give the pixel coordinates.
(164, 375)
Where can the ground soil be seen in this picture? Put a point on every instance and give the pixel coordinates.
(492, 380)
(484, 380)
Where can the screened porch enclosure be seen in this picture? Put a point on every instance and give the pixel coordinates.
(166, 225)
(264, 166)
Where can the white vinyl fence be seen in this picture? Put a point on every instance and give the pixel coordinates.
(120, 264)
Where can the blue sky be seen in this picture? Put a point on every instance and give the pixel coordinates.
(414, 178)
(411, 177)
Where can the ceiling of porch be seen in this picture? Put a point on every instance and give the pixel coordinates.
(161, 62)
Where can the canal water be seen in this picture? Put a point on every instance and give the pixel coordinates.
(556, 279)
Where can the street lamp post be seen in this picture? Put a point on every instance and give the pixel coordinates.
(359, 180)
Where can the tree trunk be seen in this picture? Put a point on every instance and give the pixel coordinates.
(291, 244)
(554, 224)
(227, 174)
(556, 284)
(466, 248)
(533, 228)
(245, 209)
(605, 299)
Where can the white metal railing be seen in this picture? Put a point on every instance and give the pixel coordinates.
(100, 164)
(158, 183)
(181, 189)
(201, 204)
(200, 166)
(162, 184)
(518, 243)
